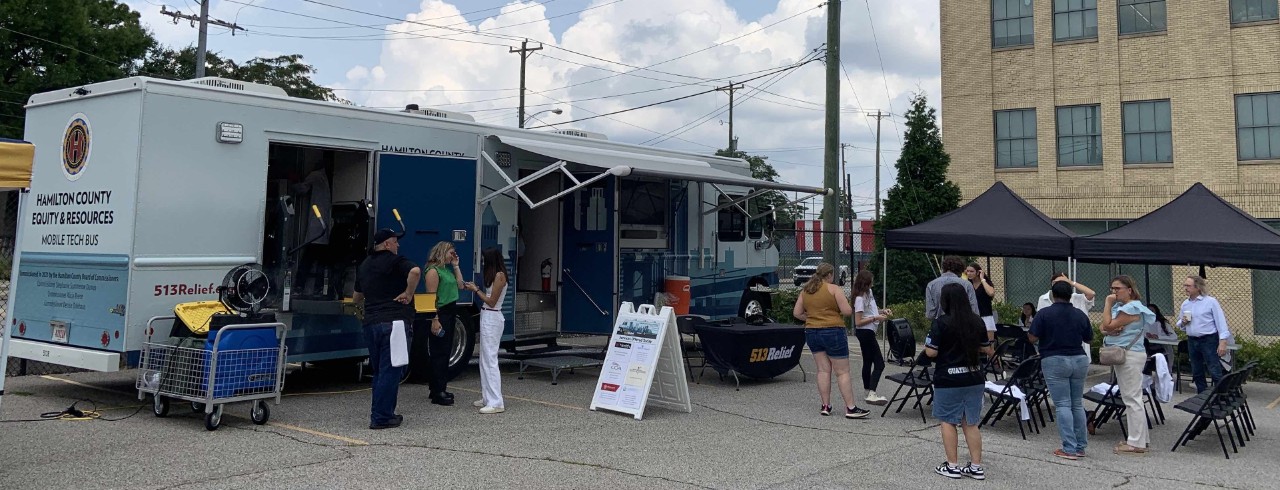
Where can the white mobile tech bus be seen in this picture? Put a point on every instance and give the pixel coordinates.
(145, 192)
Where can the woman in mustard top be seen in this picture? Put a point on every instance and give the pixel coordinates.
(444, 278)
(823, 308)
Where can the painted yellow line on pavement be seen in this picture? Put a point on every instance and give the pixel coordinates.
(1273, 404)
(304, 430)
(530, 400)
(85, 385)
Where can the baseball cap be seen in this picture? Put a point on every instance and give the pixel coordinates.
(383, 235)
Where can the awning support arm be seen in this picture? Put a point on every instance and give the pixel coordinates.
(515, 185)
(795, 201)
(735, 202)
(577, 185)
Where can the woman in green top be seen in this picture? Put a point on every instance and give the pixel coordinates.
(444, 278)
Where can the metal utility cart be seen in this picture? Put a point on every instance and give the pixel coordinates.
(240, 362)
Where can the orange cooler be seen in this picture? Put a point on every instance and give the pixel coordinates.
(678, 294)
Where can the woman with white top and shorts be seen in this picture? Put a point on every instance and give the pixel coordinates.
(492, 322)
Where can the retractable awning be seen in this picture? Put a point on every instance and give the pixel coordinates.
(15, 163)
(622, 164)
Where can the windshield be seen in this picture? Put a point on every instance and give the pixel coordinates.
(811, 261)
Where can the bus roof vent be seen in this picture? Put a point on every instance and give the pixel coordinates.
(582, 134)
(230, 84)
(429, 112)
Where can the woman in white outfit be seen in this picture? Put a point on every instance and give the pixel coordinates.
(491, 325)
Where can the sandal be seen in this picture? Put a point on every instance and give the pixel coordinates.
(1124, 448)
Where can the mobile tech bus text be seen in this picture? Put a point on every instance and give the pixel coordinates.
(72, 217)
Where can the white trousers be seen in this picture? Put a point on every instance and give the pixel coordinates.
(1129, 377)
(491, 325)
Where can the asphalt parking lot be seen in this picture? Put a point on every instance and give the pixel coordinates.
(768, 435)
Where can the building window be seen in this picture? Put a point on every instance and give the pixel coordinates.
(1011, 23)
(1148, 132)
(1016, 139)
(1137, 16)
(1253, 10)
(1258, 126)
(1075, 19)
(1079, 136)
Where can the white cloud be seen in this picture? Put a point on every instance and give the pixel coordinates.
(479, 78)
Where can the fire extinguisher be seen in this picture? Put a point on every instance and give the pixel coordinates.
(546, 275)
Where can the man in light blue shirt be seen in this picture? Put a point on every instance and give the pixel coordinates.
(1207, 333)
(952, 267)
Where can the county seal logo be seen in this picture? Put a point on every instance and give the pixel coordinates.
(75, 146)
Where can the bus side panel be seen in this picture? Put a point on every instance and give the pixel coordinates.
(200, 204)
(78, 223)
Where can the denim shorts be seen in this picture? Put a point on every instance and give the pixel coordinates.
(834, 341)
(957, 405)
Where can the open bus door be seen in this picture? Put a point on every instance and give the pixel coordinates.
(588, 258)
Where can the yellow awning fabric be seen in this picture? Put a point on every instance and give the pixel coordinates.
(15, 163)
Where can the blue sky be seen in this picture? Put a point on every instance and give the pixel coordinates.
(374, 53)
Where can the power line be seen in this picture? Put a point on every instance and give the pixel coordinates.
(86, 53)
(623, 122)
(462, 14)
(871, 19)
(782, 70)
(703, 119)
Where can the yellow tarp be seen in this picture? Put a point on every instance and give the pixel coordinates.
(15, 164)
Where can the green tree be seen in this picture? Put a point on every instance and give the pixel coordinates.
(786, 214)
(921, 192)
(55, 44)
(288, 72)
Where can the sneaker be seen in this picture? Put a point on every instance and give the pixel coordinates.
(856, 413)
(973, 471)
(826, 410)
(875, 399)
(492, 410)
(1065, 455)
(478, 403)
(945, 469)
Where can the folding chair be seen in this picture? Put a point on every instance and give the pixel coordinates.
(1211, 407)
(995, 365)
(1180, 356)
(919, 383)
(1109, 406)
(690, 347)
(1003, 402)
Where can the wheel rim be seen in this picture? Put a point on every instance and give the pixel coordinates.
(459, 343)
(156, 404)
(257, 411)
(217, 416)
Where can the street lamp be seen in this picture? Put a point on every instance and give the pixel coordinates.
(531, 116)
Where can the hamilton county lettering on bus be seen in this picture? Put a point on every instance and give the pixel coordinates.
(72, 217)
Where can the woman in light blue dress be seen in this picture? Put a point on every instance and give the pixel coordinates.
(1127, 320)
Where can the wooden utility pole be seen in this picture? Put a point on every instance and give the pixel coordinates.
(203, 19)
(524, 51)
(731, 88)
(878, 115)
(831, 162)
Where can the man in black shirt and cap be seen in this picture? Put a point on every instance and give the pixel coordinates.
(385, 283)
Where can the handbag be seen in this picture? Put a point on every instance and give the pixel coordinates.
(1113, 355)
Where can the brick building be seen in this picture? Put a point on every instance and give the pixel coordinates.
(1099, 112)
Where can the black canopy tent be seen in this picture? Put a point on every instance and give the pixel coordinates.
(997, 223)
(1196, 228)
